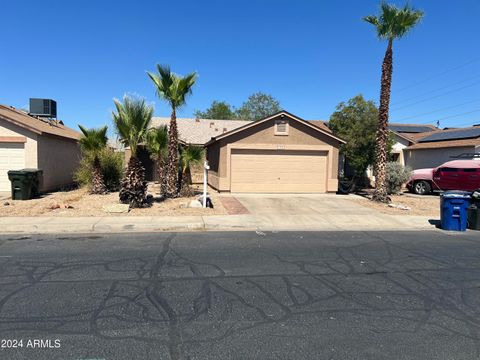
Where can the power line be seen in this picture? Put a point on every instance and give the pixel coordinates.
(469, 124)
(456, 115)
(438, 75)
(436, 96)
(412, 117)
(438, 89)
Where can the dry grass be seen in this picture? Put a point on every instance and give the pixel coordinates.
(79, 202)
(419, 205)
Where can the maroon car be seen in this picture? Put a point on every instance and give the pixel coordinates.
(453, 175)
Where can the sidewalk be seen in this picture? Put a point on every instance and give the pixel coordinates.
(49, 225)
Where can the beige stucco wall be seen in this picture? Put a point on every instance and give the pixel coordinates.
(262, 136)
(398, 146)
(58, 158)
(9, 129)
(430, 158)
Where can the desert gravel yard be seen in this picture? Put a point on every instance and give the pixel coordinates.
(418, 205)
(79, 202)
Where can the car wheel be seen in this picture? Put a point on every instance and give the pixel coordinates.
(422, 188)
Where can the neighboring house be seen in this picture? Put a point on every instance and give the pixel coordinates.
(32, 142)
(425, 146)
(404, 135)
(278, 154)
(432, 149)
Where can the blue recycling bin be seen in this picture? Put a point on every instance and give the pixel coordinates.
(453, 210)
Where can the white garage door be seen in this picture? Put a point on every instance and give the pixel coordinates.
(278, 171)
(12, 157)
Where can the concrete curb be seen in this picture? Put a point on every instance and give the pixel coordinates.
(120, 224)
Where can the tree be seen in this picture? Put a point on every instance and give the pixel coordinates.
(189, 155)
(92, 142)
(132, 120)
(258, 106)
(157, 145)
(356, 123)
(392, 23)
(218, 110)
(173, 89)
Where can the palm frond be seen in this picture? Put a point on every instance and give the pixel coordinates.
(394, 22)
(132, 120)
(190, 155)
(93, 140)
(157, 141)
(372, 19)
(171, 87)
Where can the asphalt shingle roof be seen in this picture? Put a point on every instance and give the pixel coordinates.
(199, 131)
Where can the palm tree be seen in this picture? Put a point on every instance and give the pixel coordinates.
(173, 89)
(392, 23)
(157, 145)
(92, 142)
(189, 155)
(132, 120)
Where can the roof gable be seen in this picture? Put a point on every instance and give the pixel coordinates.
(36, 125)
(282, 113)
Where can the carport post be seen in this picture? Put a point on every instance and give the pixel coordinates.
(205, 175)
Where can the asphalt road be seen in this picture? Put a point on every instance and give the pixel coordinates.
(289, 295)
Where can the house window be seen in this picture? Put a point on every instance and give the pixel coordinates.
(281, 127)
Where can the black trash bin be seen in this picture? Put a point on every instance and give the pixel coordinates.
(25, 183)
(37, 181)
(473, 211)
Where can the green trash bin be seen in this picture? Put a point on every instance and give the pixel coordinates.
(25, 183)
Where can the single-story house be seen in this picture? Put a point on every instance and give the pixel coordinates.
(33, 142)
(432, 149)
(404, 135)
(281, 153)
(426, 146)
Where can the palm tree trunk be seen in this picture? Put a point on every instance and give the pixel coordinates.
(134, 187)
(185, 182)
(98, 185)
(172, 162)
(161, 174)
(380, 193)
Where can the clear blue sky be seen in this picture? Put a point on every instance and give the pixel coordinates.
(309, 54)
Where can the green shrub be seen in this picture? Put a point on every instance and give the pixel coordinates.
(112, 169)
(397, 175)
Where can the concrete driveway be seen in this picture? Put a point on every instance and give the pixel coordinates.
(309, 212)
(301, 204)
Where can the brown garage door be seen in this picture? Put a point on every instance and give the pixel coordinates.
(278, 171)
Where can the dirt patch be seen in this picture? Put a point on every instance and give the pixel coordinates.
(79, 202)
(419, 205)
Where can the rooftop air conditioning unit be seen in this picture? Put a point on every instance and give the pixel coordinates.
(43, 108)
